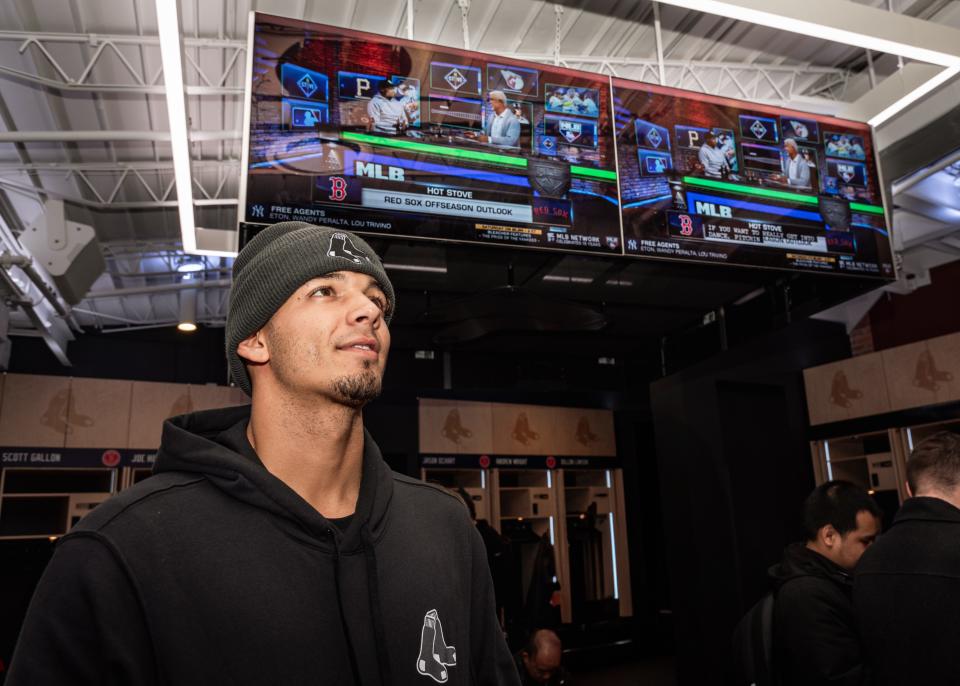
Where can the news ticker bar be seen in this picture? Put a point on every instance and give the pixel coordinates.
(771, 193)
(475, 155)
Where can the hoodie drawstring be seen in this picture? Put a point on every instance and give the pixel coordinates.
(336, 582)
(373, 587)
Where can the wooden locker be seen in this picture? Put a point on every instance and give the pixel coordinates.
(35, 411)
(99, 411)
(151, 404)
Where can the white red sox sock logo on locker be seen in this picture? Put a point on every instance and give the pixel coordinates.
(342, 246)
(435, 654)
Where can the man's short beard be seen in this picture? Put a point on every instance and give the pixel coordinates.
(357, 390)
(354, 390)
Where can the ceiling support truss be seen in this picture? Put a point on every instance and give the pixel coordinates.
(745, 80)
(81, 77)
(106, 181)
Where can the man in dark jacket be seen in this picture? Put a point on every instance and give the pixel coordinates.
(815, 638)
(907, 591)
(273, 545)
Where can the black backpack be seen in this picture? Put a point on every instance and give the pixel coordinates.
(753, 646)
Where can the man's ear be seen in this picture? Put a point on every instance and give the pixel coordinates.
(829, 536)
(254, 349)
(909, 492)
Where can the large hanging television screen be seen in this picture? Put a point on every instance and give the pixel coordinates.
(388, 136)
(709, 179)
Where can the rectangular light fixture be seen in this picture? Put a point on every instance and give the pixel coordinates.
(171, 54)
(881, 31)
(863, 26)
(914, 95)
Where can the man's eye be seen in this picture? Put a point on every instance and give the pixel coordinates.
(323, 290)
(379, 303)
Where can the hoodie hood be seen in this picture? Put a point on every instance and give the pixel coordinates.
(799, 561)
(201, 443)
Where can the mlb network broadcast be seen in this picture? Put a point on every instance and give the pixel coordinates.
(393, 137)
(401, 138)
(719, 180)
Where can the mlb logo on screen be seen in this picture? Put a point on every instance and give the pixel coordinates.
(656, 165)
(847, 172)
(571, 130)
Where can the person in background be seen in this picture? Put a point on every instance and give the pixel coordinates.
(496, 546)
(796, 170)
(540, 661)
(713, 159)
(387, 114)
(502, 128)
(907, 589)
(815, 637)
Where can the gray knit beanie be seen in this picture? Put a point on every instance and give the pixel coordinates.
(276, 263)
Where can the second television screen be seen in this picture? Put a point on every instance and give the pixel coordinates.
(708, 179)
(401, 138)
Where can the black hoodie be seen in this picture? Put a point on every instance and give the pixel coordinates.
(213, 571)
(815, 639)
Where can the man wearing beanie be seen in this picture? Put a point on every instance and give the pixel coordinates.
(273, 545)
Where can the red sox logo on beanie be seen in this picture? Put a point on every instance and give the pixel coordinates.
(341, 246)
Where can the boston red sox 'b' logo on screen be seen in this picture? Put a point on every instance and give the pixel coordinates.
(338, 188)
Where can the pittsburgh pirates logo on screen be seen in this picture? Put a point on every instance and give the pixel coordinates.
(341, 246)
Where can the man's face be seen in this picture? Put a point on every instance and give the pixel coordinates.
(851, 545)
(712, 141)
(542, 666)
(390, 93)
(791, 150)
(330, 338)
(498, 105)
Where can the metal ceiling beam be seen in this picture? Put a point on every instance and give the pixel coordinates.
(88, 87)
(162, 288)
(66, 77)
(82, 136)
(113, 167)
(782, 84)
(119, 39)
(108, 204)
(639, 61)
